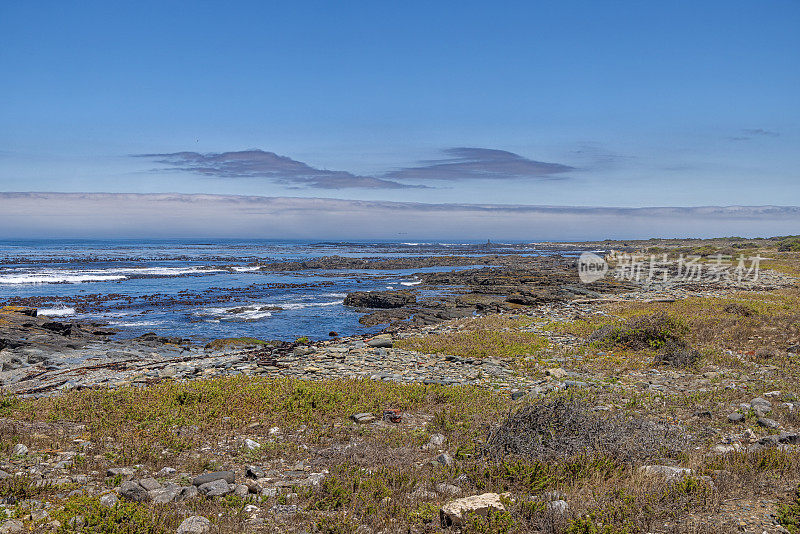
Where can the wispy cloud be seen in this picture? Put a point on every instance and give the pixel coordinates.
(90, 215)
(269, 165)
(749, 133)
(479, 163)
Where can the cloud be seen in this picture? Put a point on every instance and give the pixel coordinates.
(749, 133)
(761, 131)
(99, 215)
(480, 163)
(262, 164)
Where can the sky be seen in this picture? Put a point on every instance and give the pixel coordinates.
(558, 103)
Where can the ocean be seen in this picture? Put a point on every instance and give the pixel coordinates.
(208, 289)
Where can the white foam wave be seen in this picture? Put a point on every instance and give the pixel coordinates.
(57, 312)
(301, 305)
(135, 323)
(246, 268)
(57, 278)
(235, 313)
(418, 282)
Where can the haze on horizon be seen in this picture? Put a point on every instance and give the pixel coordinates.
(361, 110)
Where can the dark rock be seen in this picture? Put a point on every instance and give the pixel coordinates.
(133, 491)
(768, 423)
(790, 438)
(380, 299)
(253, 471)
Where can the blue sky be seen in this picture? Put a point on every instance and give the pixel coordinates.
(547, 103)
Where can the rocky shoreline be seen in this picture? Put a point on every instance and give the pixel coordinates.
(279, 471)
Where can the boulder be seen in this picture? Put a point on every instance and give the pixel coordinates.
(455, 512)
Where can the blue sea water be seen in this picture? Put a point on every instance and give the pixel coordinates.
(202, 289)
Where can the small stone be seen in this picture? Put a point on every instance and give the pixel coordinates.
(19, 450)
(194, 525)
(557, 373)
(444, 459)
(516, 395)
(363, 418)
(241, 490)
(205, 478)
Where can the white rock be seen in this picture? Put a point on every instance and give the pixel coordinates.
(559, 507)
(454, 512)
(19, 450)
(12, 526)
(109, 499)
(251, 444)
(194, 525)
(667, 471)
